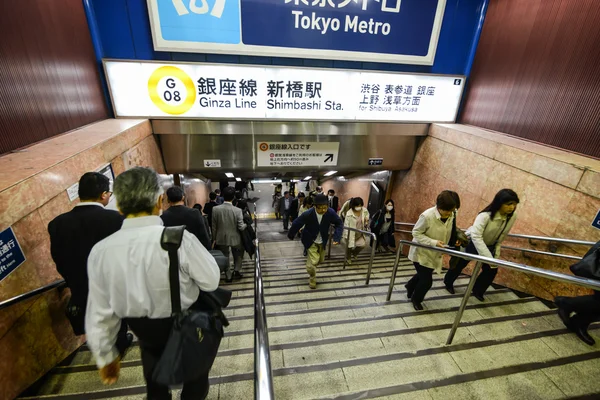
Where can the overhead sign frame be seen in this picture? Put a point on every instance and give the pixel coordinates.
(183, 8)
(151, 84)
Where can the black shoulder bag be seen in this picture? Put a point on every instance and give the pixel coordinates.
(196, 334)
(589, 266)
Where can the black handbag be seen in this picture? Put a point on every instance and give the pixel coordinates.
(196, 334)
(589, 266)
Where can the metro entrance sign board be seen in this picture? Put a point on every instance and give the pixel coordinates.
(394, 31)
(207, 91)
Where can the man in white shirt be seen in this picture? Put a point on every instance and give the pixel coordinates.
(129, 279)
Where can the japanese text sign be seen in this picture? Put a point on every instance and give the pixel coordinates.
(395, 31)
(297, 154)
(147, 90)
(11, 255)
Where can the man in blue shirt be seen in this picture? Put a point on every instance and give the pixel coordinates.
(316, 223)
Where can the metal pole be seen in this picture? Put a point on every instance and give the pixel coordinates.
(330, 240)
(393, 278)
(373, 246)
(463, 305)
(346, 253)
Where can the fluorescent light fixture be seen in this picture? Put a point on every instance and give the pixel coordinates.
(266, 181)
(375, 187)
(238, 179)
(229, 174)
(295, 180)
(307, 178)
(331, 173)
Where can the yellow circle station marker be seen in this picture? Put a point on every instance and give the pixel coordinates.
(157, 99)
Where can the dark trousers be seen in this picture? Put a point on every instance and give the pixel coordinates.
(153, 335)
(286, 219)
(484, 280)
(586, 309)
(420, 284)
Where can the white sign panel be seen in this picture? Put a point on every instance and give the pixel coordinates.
(73, 191)
(212, 163)
(155, 90)
(297, 154)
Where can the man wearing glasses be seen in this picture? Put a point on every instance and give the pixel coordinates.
(316, 223)
(72, 236)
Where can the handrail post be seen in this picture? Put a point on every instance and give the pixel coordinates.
(263, 374)
(463, 304)
(330, 240)
(373, 246)
(393, 277)
(346, 253)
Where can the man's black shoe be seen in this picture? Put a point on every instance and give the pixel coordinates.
(450, 289)
(478, 296)
(237, 275)
(228, 279)
(584, 336)
(418, 306)
(409, 293)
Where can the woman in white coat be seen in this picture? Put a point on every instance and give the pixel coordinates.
(489, 230)
(357, 218)
(434, 228)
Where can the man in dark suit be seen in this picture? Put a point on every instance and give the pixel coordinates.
(72, 236)
(208, 207)
(285, 208)
(179, 214)
(295, 208)
(316, 222)
(332, 200)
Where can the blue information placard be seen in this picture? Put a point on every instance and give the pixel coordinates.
(596, 222)
(11, 255)
(397, 31)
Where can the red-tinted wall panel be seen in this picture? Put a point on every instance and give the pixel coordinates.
(537, 73)
(49, 82)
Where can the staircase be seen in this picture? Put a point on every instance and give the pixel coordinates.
(344, 341)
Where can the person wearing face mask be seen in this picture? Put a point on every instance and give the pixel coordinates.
(489, 230)
(382, 225)
(358, 218)
(433, 228)
(316, 223)
(332, 200)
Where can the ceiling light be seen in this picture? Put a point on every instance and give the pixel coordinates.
(307, 178)
(266, 181)
(331, 173)
(238, 179)
(229, 174)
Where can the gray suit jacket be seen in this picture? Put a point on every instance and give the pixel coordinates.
(227, 223)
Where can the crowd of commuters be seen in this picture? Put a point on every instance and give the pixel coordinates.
(101, 253)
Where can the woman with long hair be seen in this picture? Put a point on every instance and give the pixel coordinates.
(382, 225)
(489, 230)
(357, 218)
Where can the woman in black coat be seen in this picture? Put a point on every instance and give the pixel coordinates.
(382, 224)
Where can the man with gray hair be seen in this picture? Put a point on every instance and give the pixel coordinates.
(129, 280)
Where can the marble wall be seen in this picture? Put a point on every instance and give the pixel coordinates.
(559, 192)
(35, 335)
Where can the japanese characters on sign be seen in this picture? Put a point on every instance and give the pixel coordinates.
(397, 31)
(296, 154)
(209, 91)
(11, 255)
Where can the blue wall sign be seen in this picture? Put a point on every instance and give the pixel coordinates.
(393, 31)
(11, 255)
(596, 223)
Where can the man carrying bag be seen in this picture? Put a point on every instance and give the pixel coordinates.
(160, 294)
(585, 309)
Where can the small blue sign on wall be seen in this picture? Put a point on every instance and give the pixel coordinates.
(596, 222)
(395, 31)
(11, 255)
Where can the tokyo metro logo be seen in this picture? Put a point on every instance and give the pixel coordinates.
(172, 90)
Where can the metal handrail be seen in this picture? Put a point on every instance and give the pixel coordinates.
(532, 237)
(33, 293)
(552, 275)
(263, 375)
